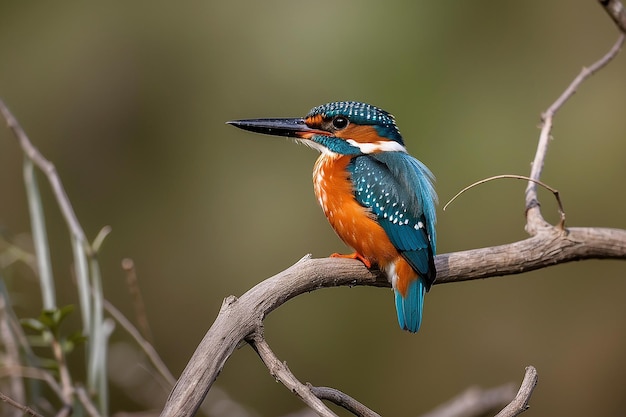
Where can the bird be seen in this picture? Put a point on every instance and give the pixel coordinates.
(379, 199)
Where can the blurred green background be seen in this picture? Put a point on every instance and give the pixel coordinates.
(129, 100)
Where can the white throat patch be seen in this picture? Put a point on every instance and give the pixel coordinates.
(380, 146)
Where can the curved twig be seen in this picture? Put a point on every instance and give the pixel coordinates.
(144, 344)
(520, 402)
(282, 373)
(554, 191)
(343, 400)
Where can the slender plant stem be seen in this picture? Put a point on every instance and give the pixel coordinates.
(40, 236)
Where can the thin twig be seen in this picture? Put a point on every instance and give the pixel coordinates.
(67, 388)
(520, 402)
(48, 168)
(533, 214)
(128, 265)
(282, 373)
(34, 373)
(585, 73)
(147, 348)
(343, 400)
(554, 191)
(24, 409)
(99, 240)
(86, 402)
(12, 253)
(65, 411)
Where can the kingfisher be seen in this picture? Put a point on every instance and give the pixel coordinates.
(379, 199)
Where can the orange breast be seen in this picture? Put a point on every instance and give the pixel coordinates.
(354, 223)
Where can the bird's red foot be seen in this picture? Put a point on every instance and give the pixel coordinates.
(355, 255)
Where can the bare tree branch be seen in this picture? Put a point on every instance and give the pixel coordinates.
(550, 247)
(241, 317)
(520, 402)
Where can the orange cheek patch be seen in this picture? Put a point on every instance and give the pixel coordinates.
(360, 133)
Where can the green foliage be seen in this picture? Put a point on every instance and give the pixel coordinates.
(49, 319)
(48, 329)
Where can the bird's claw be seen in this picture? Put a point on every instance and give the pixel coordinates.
(355, 255)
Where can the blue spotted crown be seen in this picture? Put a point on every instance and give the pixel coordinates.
(361, 114)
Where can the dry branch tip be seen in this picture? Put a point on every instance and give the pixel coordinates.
(520, 402)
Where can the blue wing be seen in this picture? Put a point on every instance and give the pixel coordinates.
(398, 189)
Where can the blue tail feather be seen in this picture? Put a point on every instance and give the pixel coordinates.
(409, 308)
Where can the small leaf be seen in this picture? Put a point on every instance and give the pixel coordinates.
(48, 318)
(40, 340)
(52, 319)
(65, 311)
(33, 324)
(72, 341)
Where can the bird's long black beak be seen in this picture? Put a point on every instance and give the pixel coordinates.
(295, 128)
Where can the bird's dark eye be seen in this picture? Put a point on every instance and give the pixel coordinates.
(340, 122)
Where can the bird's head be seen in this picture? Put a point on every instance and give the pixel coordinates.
(339, 128)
